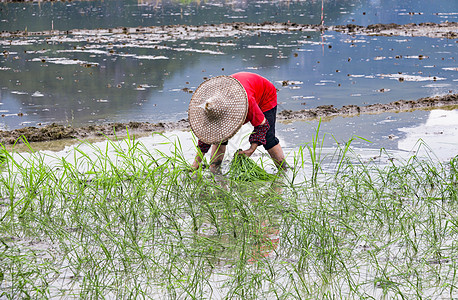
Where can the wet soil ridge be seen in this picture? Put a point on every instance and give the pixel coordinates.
(434, 30)
(179, 31)
(353, 110)
(445, 30)
(56, 131)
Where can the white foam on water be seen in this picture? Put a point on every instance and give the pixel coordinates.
(406, 77)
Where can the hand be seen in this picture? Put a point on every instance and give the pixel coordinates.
(246, 153)
(249, 151)
(195, 165)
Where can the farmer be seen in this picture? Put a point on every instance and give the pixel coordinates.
(221, 105)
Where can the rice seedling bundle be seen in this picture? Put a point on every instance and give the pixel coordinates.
(243, 168)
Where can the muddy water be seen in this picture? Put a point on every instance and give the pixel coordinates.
(55, 71)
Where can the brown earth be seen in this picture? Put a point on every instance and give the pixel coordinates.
(434, 30)
(447, 30)
(57, 132)
(446, 101)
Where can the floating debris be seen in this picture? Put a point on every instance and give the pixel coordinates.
(37, 94)
(403, 77)
(289, 82)
(420, 57)
(65, 61)
(262, 47)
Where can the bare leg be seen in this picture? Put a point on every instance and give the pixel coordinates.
(276, 153)
(217, 156)
(197, 161)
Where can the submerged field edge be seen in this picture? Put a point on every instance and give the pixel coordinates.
(54, 131)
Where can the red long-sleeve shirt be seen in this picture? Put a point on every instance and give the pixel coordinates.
(262, 95)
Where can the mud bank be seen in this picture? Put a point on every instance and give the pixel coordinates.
(446, 101)
(57, 132)
(447, 30)
(434, 30)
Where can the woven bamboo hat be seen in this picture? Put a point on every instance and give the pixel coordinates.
(218, 109)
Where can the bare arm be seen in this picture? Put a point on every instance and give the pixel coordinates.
(258, 137)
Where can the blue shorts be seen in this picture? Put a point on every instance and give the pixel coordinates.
(271, 139)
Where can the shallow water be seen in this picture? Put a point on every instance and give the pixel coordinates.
(423, 133)
(96, 76)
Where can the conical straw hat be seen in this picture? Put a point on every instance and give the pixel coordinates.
(218, 109)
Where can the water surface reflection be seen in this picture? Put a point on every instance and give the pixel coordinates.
(99, 76)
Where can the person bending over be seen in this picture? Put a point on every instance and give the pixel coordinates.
(222, 104)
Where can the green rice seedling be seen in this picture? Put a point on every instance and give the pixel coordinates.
(3, 155)
(452, 188)
(315, 151)
(298, 163)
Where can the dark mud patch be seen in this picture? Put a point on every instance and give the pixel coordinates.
(53, 132)
(447, 30)
(447, 101)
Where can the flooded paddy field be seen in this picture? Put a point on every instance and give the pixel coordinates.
(367, 117)
(127, 219)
